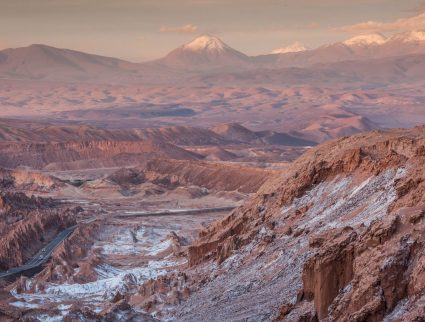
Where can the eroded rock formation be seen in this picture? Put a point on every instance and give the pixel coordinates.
(26, 225)
(217, 177)
(338, 237)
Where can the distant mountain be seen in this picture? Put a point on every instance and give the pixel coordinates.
(366, 40)
(208, 58)
(296, 47)
(205, 53)
(376, 45)
(362, 47)
(50, 63)
(239, 133)
(360, 73)
(234, 132)
(46, 63)
(276, 138)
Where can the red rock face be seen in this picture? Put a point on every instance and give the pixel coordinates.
(87, 154)
(26, 225)
(31, 181)
(217, 177)
(329, 270)
(61, 267)
(214, 177)
(337, 237)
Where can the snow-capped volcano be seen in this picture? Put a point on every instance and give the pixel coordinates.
(206, 43)
(205, 52)
(366, 40)
(296, 47)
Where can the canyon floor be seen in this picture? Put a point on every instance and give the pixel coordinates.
(336, 235)
(120, 240)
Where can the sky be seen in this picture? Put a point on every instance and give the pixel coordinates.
(140, 30)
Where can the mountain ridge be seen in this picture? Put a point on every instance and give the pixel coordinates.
(204, 55)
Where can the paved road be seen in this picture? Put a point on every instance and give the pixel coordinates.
(41, 257)
(173, 212)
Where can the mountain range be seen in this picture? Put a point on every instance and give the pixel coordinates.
(210, 56)
(362, 47)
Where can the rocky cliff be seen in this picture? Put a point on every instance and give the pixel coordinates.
(337, 237)
(87, 154)
(23, 180)
(213, 176)
(26, 224)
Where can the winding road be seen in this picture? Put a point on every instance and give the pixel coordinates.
(173, 212)
(41, 257)
(44, 254)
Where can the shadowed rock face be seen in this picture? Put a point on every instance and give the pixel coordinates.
(330, 270)
(337, 237)
(26, 225)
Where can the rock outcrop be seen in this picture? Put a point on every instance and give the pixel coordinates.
(208, 176)
(31, 181)
(330, 270)
(337, 237)
(216, 177)
(26, 225)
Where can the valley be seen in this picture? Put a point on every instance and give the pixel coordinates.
(213, 185)
(113, 248)
(328, 211)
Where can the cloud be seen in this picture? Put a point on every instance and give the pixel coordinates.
(403, 24)
(186, 29)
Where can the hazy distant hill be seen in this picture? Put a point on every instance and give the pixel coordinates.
(209, 60)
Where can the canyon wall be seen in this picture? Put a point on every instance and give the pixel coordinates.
(27, 224)
(337, 237)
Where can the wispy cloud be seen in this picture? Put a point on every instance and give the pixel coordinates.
(411, 23)
(186, 29)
